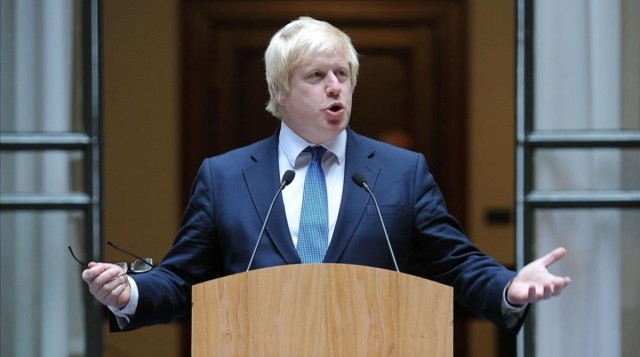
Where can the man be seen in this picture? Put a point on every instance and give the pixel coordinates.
(312, 70)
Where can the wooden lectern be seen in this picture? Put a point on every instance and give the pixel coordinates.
(322, 310)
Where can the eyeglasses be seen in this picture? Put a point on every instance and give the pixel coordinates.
(140, 265)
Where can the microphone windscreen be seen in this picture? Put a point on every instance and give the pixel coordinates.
(358, 179)
(288, 177)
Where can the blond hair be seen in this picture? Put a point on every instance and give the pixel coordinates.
(298, 40)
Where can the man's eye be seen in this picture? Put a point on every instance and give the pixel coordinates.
(316, 75)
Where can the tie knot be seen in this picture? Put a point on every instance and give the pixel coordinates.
(316, 152)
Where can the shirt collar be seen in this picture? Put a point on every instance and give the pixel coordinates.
(292, 144)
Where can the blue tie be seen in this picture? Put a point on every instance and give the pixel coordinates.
(313, 234)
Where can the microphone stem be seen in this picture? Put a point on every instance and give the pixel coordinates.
(264, 226)
(393, 256)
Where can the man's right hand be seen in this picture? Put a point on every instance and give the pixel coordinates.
(108, 284)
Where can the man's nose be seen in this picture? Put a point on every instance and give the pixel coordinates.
(334, 87)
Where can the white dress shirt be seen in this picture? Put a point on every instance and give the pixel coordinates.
(291, 157)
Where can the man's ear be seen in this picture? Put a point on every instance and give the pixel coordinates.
(281, 99)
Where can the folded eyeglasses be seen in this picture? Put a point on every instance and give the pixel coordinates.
(140, 265)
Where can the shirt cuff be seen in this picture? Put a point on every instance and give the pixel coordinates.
(124, 315)
(511, 314)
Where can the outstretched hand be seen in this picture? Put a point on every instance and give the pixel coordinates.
(534, 282)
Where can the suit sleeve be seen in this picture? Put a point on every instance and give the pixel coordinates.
(165, 291)
(445, 254)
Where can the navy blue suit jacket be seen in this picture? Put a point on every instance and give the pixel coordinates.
(231, 195)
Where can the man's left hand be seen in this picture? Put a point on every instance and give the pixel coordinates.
(534, 282)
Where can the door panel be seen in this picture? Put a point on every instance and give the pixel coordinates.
(411, 87)
(412, 80)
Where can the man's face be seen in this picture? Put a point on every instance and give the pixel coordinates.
(318, 104)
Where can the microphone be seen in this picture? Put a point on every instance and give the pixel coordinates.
(286, 179)
(359, 180)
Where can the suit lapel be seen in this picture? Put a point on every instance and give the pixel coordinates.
(354, 199)
(263, 180)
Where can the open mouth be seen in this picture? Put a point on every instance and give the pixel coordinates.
(336, 108)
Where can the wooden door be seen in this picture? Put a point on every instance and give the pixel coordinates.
(412, 79)
(411, 87)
